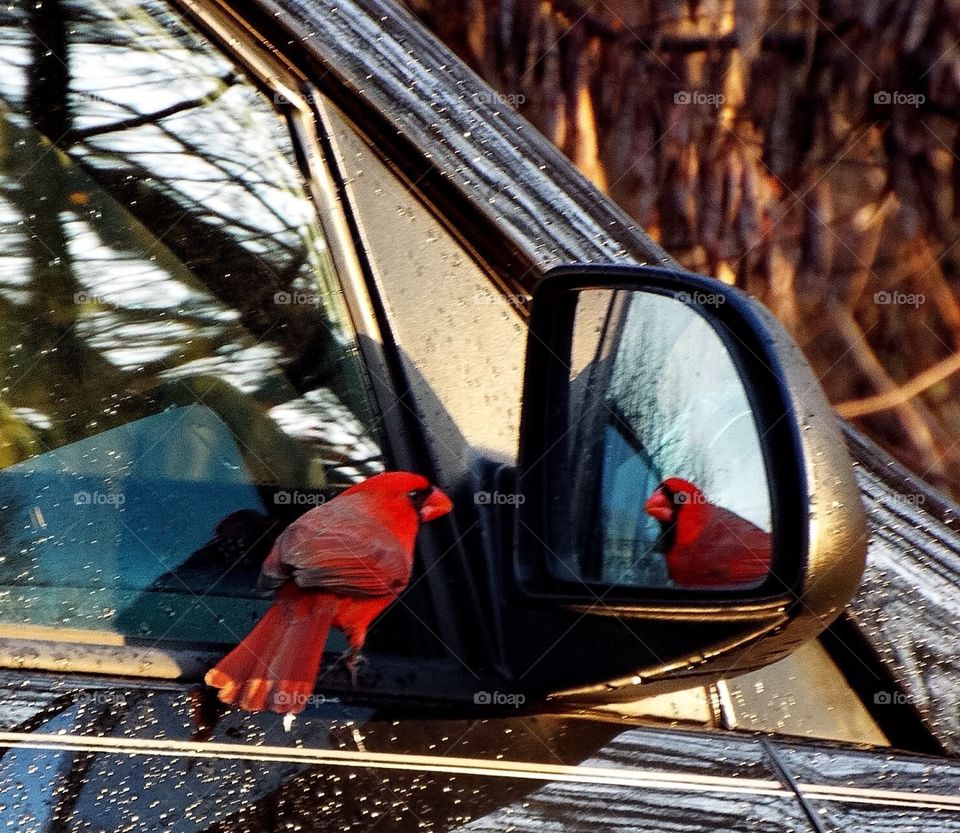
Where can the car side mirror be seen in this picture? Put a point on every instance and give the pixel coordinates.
(689, 507)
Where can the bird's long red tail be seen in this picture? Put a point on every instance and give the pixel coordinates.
(275, 666)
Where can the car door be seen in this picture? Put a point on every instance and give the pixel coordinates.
(191, 360)
(425, 100)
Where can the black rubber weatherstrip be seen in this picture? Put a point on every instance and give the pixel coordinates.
(781, 768)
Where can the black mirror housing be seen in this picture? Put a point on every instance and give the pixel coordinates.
(639, 379)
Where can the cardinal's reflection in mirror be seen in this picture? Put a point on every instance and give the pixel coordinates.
(669, 485)
(706, 545)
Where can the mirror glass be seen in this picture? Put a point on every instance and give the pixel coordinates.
(664, 482)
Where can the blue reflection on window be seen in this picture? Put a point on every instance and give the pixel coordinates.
(628, 535)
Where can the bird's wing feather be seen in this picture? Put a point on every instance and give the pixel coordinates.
(747, 549)
(729, 551)
(342, 549)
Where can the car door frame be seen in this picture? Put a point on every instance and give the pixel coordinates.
(517, 260)
(465, 624)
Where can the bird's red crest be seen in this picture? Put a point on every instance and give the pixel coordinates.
(391, 483)
(684, 491)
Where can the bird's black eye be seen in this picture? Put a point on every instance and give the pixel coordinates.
(676, 499)
(419, 496)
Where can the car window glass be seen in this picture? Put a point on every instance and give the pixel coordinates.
(178, 375)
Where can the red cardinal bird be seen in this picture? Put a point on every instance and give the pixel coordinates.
(337, 565)
(706, 545)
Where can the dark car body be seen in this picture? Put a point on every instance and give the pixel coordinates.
(102, 746)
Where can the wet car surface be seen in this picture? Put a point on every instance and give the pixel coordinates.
(123, 759)
(90, 748)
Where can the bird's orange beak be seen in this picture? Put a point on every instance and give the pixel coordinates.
(660, 507)
(436, 505)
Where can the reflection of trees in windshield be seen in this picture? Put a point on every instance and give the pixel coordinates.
(153, 231)
(171, 329)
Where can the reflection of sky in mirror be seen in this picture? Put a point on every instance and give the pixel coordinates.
(705, 431)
